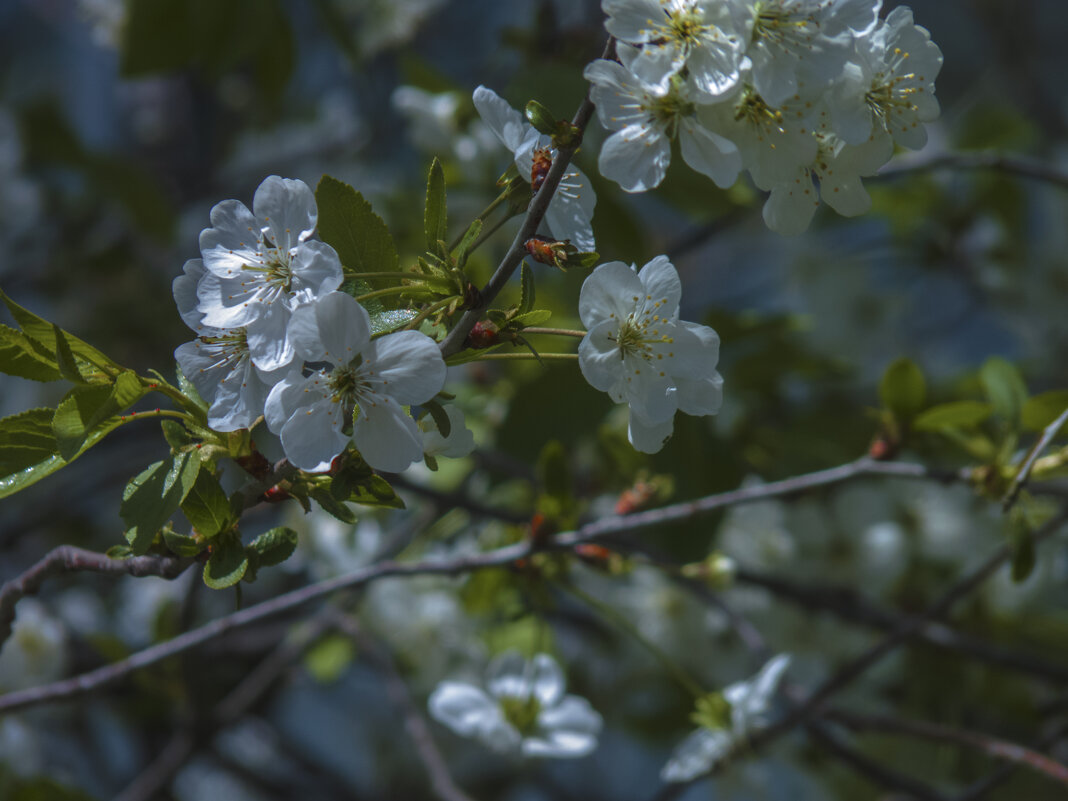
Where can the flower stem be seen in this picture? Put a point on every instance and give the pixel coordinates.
(486, 212)
(526, 356)
(393, 290)
(487, 233)
(564, 332)
(429, 310)
(676, 670)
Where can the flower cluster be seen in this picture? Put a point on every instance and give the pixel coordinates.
(638, 350)
(276, 338)
(522, 710)
(807, 95)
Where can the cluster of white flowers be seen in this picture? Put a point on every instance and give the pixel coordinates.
(807, 95)
(638, 350)
(749, 702)
(276, 338)
(523, 709)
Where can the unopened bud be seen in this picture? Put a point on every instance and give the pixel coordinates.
(484, 334)
(560, 254)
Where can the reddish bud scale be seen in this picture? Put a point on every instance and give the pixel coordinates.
(543, 160)
(593, 553)
(275, 494)
(881, 449)
(484, 334)
(635, 498)
(541, 250)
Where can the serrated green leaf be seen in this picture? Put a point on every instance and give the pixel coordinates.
(1043, 409)
(89, 406)
(181, 544)
(903, 390)
(441, 418)
(68, 368)
(275, 546)
(349, 225)
(535, 317)
(227, 564)
(526, 293)
(176, 434)
(154, 495)
(29, 451)
(332, 506)
(1005, 388)
(206, 505)
(435, 219)
(43, 331)
(119, 552)
(189, 390)
(469, 238)
(376, 491)
(958, 414)
(384, 322)
(25, 357)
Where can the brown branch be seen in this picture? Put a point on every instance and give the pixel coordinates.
(1014, 165)
(991, 746)
(92, 680)
(1024, 473)
(454, 340)
(984, 786)
(69, 559)
(415, 723)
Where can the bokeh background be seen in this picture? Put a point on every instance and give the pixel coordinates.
(122, 123)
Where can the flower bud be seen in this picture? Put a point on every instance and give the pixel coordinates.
(484, 334)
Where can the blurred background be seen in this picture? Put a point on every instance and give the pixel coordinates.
(123, 123)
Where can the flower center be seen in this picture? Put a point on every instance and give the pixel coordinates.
(779, 25)
(639, 333)
(686, 27)
(757, 113)
(522, 713)
(887, 96)
(668, 110)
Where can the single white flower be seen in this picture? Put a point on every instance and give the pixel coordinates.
(834, 175)
(460, 441)
(371, 379)
(646, 117)
(571, 209)
(639, 352)
(522, 710)
(749, 702)
(889, 84)
(703, 36)
(218, 361)
(264, 266)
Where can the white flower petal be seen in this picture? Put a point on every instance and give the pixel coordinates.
(709, 153)
(507, 123)
(464, 708)
(386, 436)
(547, 680)
(316, 271)
(232, 241)
(636, 157)
(506, 676)
(696, 755)
(344, 327)
(267, 341)
(661, 283)
(648, 437)
(408, 364)
(287, 206)
(312, 437)
(609, 292)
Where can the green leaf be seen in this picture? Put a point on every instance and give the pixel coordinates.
(469, 238)
(1041, 410)
(65, 358)
(275, 546)
(25, 357)
(332, 506)
(526, 295)
(189, 390)
(1022, 546)
(1005, 388)
(903, 390)
(119, 552)
(349, 225)
(154, 495)
(44, 332)
(89, 406)
(206, 505)
(535, 317)
(176, 434)
(441, 418)
(181, 544)
(384, 322)
(471, 354)
(227, 564)
(958, 414)
(329, 658)
(376, 491)
(435, 214)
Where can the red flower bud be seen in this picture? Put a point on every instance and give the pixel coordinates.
(484, 334)
(543, 160)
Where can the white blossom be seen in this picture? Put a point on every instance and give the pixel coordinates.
(433, 124)
(646, 117)
(889, 84)
(36, 651)
(522, 709)
(704, 36)
(638, 351)
(263, 265)
(370, 379)
(571, 209)
(749, 702)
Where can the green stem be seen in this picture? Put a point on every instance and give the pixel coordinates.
(527, 356)
(429, 310)
(175, 394)
(486, 234)
(486, 212)
(676, 671)
(153, 413)
(393, 290)
(564, 332)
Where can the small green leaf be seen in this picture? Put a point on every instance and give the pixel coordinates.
(176, 434)
(958, 414)
(275, 546)
(526, 283)
(430, 462)
(384, 322)
(329, 658)
(332, 506)
(1005, 388)
(25, 357)
(154, 495)
(349, 225)
(189, 390)
(206, 505)
(376, 491)
(181, 544)
(535, 317)
(903, 390)
(119, 552)
(68, 368)
(441, 418)
(44, 332)
(543, 120)
(227, 564)
(434, 217)
(89, 406)
(1041, 410)
(469, 238)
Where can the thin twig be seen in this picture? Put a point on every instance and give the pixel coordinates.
(92, 680)
(69, 559)
(1024, 473)
(1015, 165)
(984, 786)
(454, 340)
(415, 723)
(991, 746)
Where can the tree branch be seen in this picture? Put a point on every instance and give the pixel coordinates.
(92, 680)
(1014, 165)
(1024, 472)
(69, 559)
